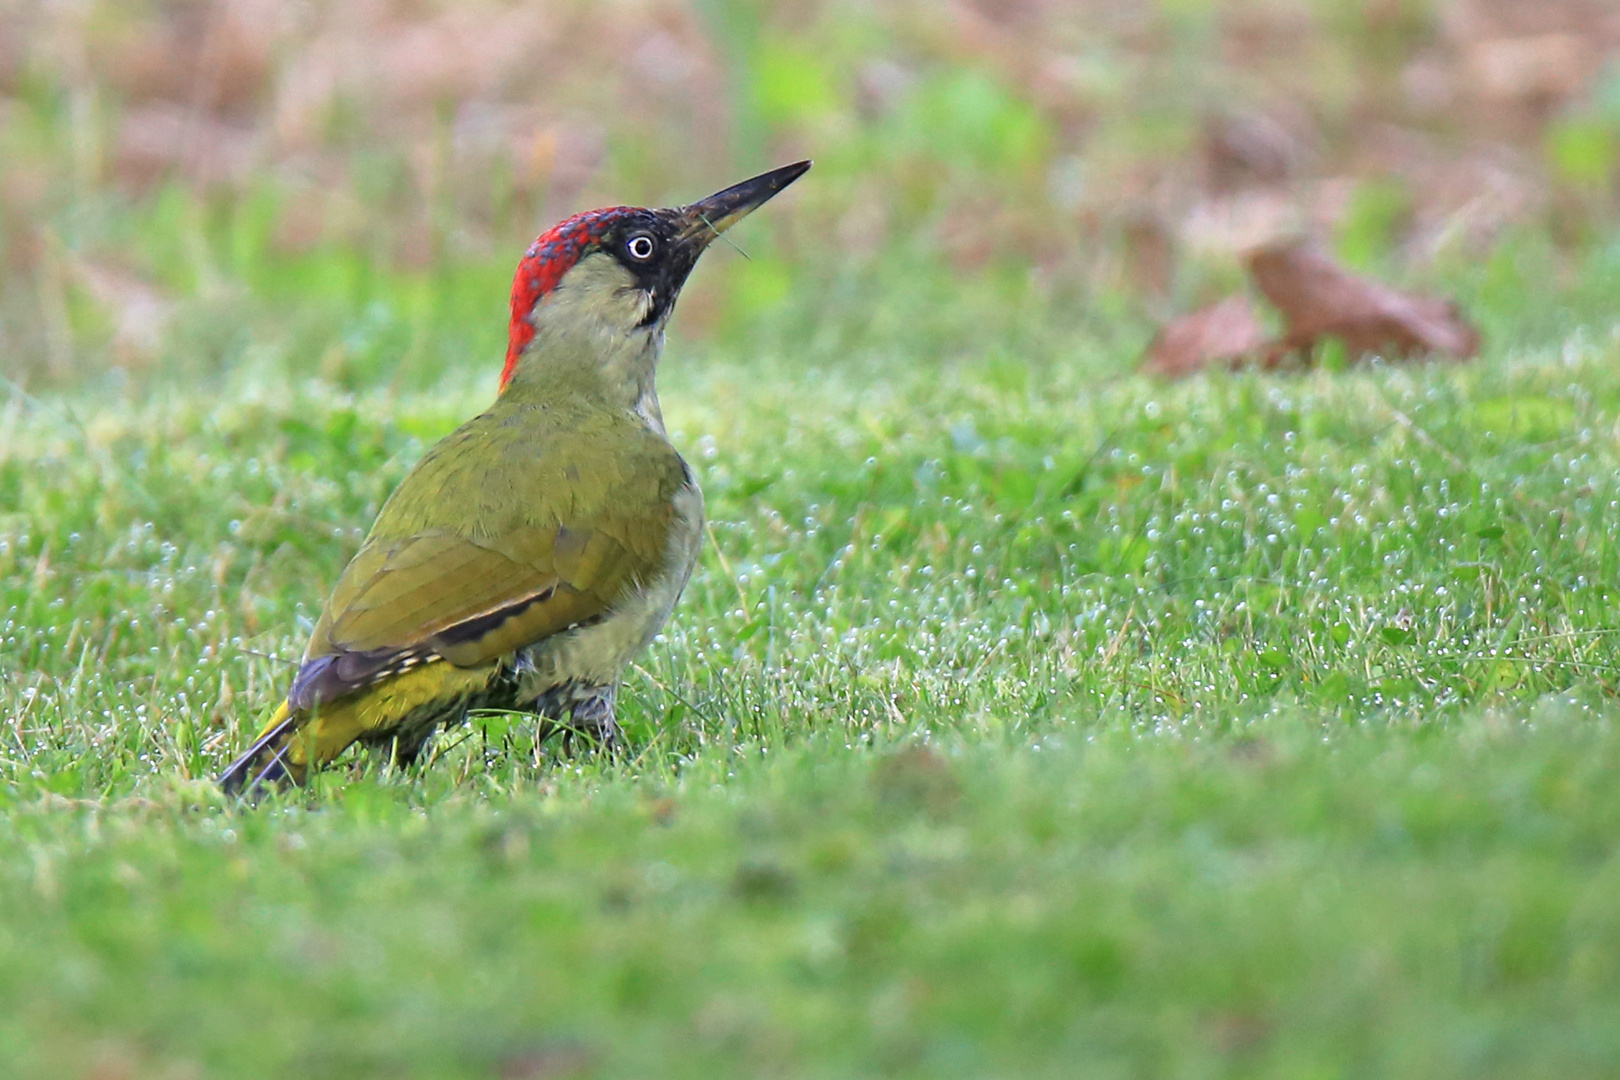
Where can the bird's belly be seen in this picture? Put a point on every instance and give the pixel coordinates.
(596, 655)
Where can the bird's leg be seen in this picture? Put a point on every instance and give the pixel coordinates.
(594, 714)
(548, 708)
(408, 750)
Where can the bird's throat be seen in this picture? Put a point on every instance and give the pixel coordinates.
(590, 341)
(614, 370)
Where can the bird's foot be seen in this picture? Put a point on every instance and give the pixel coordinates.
(408, 752)
(593, 716)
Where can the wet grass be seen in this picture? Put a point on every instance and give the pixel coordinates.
(1018, 722)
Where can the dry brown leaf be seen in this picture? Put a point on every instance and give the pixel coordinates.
(1540, 67)
(548, 1062)
(139, 311)
(1320, 299)
(158, 140)
(1150, 253)
(1222, 335)
(217, 58)
(1245, 149)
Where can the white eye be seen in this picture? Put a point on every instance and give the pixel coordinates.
(640, 247)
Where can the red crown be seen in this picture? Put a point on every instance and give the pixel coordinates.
(551, 256)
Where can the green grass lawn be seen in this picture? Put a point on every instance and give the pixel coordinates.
(1018, 722)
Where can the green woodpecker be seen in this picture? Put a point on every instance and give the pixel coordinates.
(537, 548)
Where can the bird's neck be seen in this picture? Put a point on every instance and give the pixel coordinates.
(592, 362)
(592, 343)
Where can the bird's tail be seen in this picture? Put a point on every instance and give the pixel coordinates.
(266, 761)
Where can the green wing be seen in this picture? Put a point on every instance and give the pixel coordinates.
(499, 538)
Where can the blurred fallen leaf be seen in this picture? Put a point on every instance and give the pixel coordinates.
(1150, 253)
(1320, 299)
(1532, 68)
(1241, 150)
(140, 313)
(547, 1062)
(159, 140)
(916, 778)
(217, 58)
(1225, 226)
(1224, 334)
(12, 44)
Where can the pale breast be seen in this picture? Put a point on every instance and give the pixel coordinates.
(596, 655)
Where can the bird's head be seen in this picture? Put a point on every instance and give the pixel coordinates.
(610, 277)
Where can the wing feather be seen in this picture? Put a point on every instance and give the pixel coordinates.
(469, 590)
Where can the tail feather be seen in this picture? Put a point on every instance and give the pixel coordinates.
(404, 706)
(265, 762)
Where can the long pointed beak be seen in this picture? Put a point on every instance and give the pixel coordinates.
(712, 216)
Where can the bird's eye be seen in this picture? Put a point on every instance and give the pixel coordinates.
(640, 247)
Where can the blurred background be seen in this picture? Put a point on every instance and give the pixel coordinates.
(189, 187)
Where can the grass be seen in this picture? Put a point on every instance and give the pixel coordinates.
(1024, 718)
(1018, 722)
